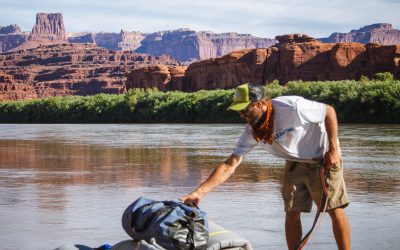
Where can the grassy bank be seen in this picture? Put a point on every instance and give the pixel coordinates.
(365, 101)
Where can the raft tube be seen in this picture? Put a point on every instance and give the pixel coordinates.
(219, 238)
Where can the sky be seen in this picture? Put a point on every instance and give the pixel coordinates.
(262, 18)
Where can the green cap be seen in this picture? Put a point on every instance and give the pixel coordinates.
(245, 94)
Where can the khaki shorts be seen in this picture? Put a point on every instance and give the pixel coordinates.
(302, 185)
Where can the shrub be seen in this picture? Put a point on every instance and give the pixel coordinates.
(373, 101)
(386, 76)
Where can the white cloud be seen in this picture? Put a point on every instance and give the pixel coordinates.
(258, 17)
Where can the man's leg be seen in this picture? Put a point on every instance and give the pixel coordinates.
(296, 198)
(293, 229)
(337, 202)
(341, 228)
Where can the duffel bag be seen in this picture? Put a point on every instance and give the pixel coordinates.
(172, 224)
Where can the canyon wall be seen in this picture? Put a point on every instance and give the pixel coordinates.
(13, 28)
(184, 44)
(382, 33)
(187, 45)
(68, 69)
(11, 37)
(295, 57)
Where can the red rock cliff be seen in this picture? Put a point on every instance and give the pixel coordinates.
(68, 69)
(295, 57)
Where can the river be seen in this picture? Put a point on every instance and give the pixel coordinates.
(69, 183)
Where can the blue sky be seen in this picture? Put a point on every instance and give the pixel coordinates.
(318, 18)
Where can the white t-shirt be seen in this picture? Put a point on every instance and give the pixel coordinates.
(299, 128)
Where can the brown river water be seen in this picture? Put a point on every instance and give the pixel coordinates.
(69, 184)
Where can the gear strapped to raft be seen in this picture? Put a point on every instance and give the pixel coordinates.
(174, 225)
(321, 208)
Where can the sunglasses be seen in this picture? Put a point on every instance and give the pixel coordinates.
(246, 109)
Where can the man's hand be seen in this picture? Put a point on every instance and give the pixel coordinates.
(193, 199)
(331, 158)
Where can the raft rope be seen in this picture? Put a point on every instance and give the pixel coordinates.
(321, 208)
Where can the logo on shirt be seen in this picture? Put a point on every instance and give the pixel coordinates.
(283, 132)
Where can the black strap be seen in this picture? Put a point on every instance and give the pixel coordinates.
(191, 204)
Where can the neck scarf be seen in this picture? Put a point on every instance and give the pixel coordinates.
(264, 129)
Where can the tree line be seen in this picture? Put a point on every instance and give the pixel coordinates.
(363, 101)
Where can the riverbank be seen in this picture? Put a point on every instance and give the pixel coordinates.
(364, 101)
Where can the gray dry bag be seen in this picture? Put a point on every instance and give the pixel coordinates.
(173, 225)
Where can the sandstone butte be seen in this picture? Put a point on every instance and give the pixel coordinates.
(68, 69)
(295, 57)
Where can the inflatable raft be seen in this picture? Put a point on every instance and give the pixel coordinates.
(219, 238)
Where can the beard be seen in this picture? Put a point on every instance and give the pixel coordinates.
(255, 116)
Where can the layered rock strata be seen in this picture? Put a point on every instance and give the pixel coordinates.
(82, 38)
(11, 41)
(130, 40)
(187, 45)
(295, 57)
(183, 44)
(382, 33)
(13, 28)
(68, 69)
(125, 40)
(11, 37)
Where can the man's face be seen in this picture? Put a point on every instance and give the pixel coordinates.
(252, 113)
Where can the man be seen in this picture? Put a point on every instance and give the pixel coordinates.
(302, 132)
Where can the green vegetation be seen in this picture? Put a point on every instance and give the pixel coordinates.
(371, 101)
(386, 76)
(138, 105)
(355, 101)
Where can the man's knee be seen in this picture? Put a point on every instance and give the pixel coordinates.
(337, 213)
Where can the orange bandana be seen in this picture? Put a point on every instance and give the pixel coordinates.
(264, 129)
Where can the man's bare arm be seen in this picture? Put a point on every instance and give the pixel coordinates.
(217, 177)
(332, 157)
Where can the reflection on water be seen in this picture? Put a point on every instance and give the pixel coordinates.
(70, 183)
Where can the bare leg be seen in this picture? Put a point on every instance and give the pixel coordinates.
(341, 228)
(293, 229)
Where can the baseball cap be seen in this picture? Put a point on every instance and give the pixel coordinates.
(245, 94)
